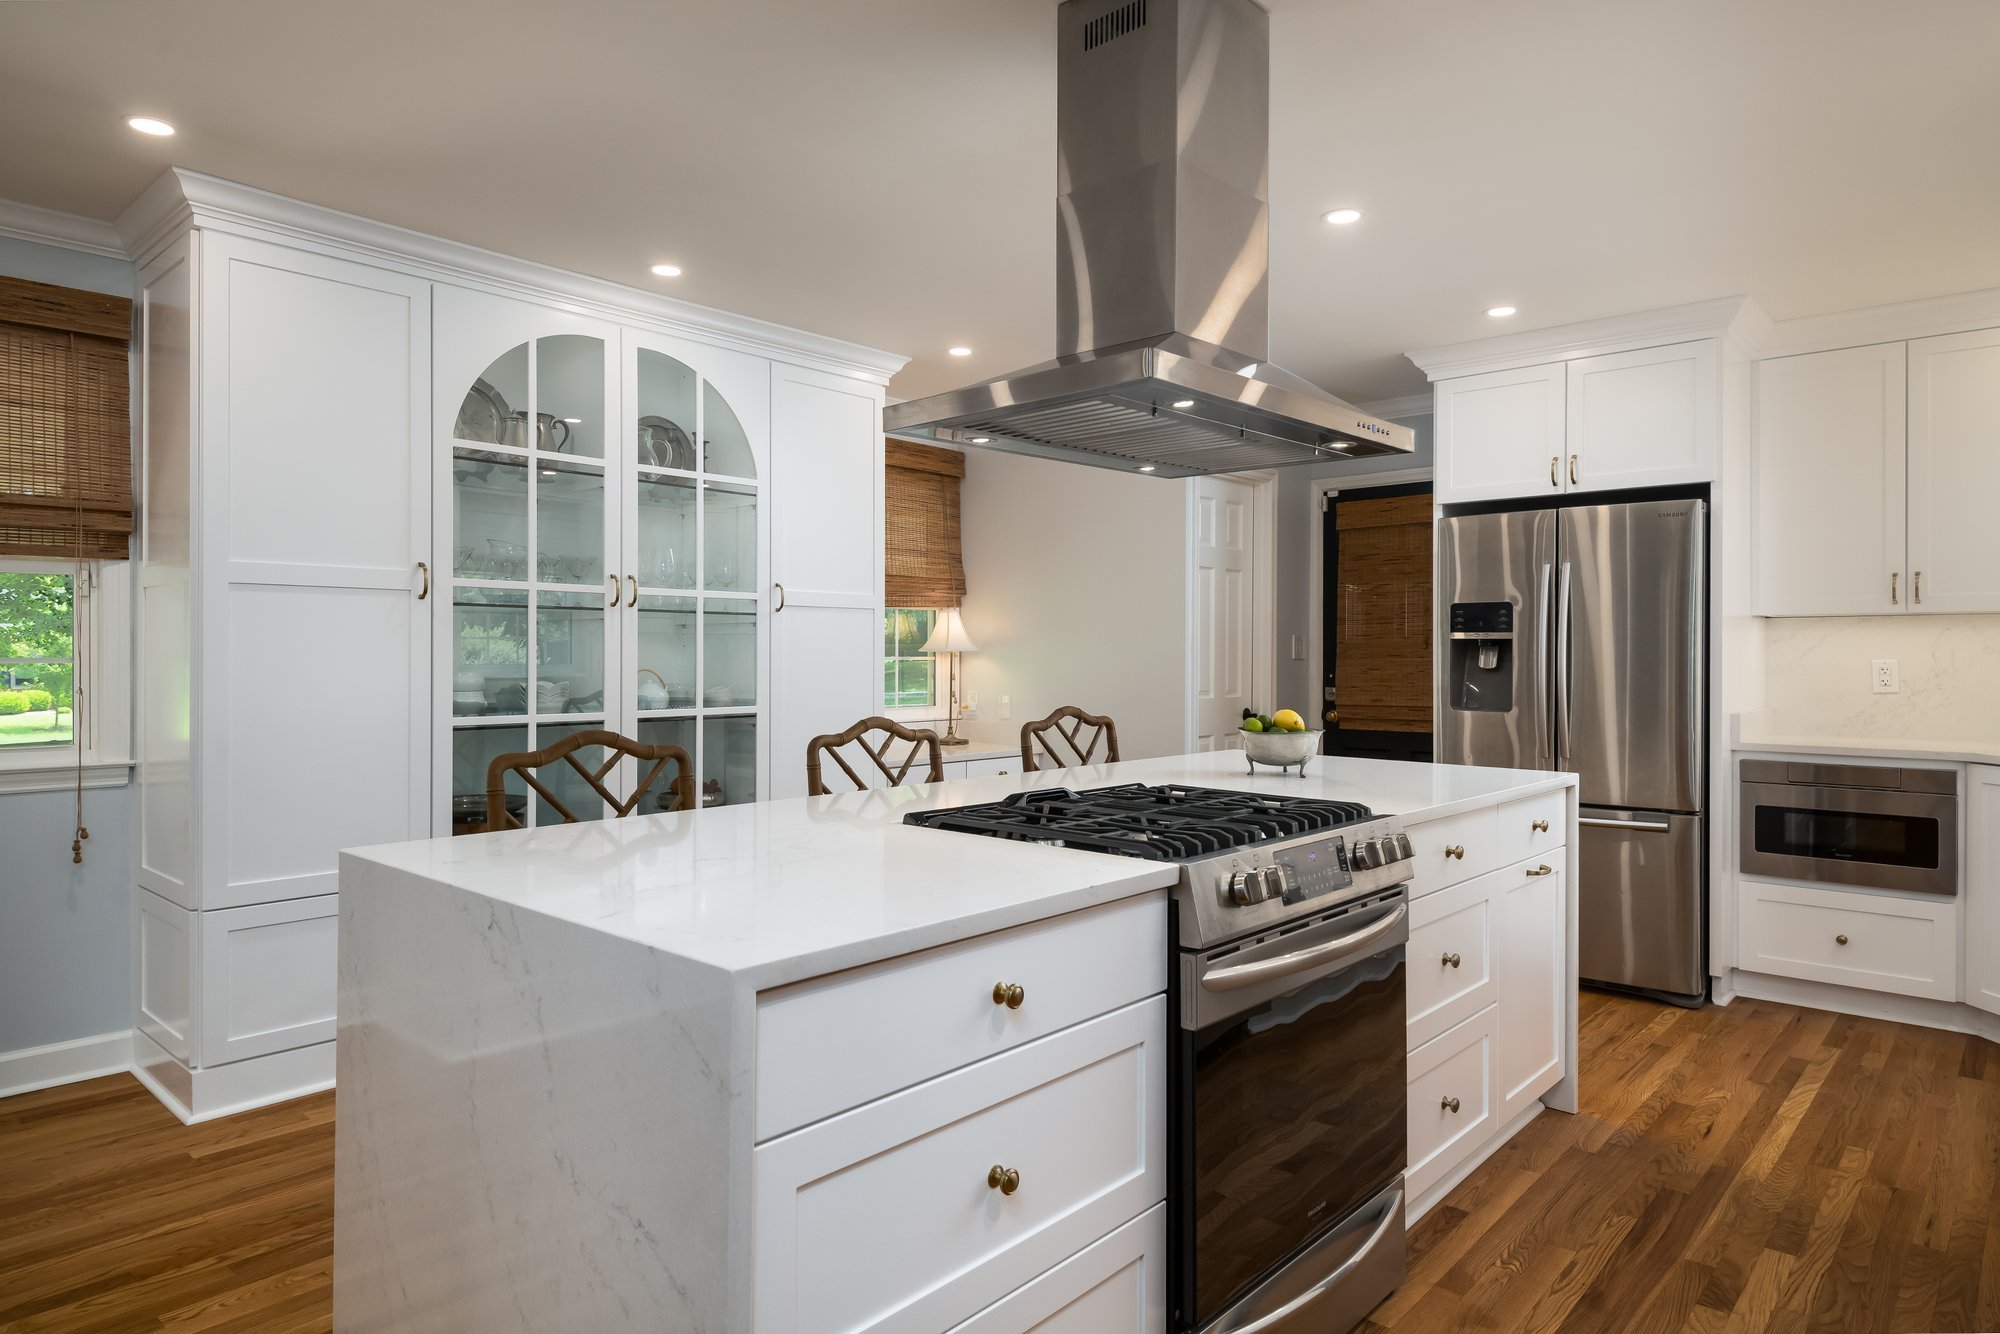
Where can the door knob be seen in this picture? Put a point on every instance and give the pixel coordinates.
(1840, 940)
(1009, 994)
(1450, 961)
(1456, 850)
(1448, 1104)
(1541, 826)
(1003, 1179)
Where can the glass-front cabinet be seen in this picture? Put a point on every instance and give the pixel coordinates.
(606, 546)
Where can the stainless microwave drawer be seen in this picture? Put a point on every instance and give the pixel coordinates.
(1867, 837)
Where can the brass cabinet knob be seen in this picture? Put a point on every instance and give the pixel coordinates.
(1450, 961)
(1008, 994)
(1541, 870)
(1003, 1179)
(1456, 850)
(1541, 826)
(1448, 1104)
(1840, 940)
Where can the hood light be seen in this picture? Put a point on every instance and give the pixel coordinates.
(666, 270)
(1499, 312)
(1184, 403)
(1145, 467)
(159, 129)
(1341, 217)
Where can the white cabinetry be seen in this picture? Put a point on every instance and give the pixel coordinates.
(1500, 435)
(1876, 941)
(1954, 407)
(1982, 886)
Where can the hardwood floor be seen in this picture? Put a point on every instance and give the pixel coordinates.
(1759, 1167)
(1755, 1167)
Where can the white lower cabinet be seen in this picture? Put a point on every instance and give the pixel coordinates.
(994, 766)
(1880, 942)
(902, 1215)
(268, 977)
(1982, 886)
(1530, 982)
(1117, 1286)
(1451, 1101)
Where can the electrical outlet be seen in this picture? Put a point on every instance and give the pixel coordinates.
(1006, 707)
(1298, 648)
(1887, 680)
(970, 699)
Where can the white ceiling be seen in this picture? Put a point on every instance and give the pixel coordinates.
(883, 170)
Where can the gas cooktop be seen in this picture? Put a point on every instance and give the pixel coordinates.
(1249, 860)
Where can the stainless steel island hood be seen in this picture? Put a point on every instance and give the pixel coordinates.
(1163, 264)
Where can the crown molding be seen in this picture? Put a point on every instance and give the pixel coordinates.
(45, 226)
(1620, 333)
(1901, 320)
(1409, 405)
(181, 199)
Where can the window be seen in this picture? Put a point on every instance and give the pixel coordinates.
(37, 659)
(909, 675)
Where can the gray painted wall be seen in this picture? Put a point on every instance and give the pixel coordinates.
(65, 931)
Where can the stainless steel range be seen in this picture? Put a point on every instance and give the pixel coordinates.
(1286, 1109)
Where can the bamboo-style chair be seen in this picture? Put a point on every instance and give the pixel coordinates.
(1068, 737)
(830, 745)
(618, 747)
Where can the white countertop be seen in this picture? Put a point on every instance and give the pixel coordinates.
(778, 891)
(1752, 733)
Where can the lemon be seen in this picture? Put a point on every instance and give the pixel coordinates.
(1252, 725)
(1289, 720)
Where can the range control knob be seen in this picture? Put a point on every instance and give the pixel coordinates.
(1255, 885)
(1404, 850)
(1367, 854)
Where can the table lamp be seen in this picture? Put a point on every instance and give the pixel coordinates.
(948, 636)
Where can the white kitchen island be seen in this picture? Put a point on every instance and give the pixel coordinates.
(732, 1069)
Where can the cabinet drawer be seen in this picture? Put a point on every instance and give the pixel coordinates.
(1532, 828)
(836, 1042)
(1856, 940)
(882, 1218)
(991, 767)
(1455, 848)
(1117, 1286)
(1458, 1065)
(1450, 958)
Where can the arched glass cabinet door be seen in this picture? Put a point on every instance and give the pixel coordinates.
(533, 631)
(698, 641)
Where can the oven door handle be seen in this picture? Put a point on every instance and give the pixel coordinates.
(1338, 950)
(1392, 1216)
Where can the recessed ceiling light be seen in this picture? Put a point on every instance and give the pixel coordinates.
(1184, 403)
(982, 439)
(1145, 467)
(149, 125)
(666, 270)
(959, 351)
(1499, 312)
(1340, 217)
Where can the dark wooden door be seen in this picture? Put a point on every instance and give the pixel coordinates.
(1377, 619)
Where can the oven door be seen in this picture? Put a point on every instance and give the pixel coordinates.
(1291, 1087)
(1871, 837)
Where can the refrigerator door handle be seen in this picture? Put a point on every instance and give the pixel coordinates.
(1562, 669)
(1542, 652)
(1644, 826)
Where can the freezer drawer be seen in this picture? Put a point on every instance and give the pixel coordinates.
(1639, 900)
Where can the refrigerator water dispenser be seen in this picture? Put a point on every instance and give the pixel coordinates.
(1482, 657)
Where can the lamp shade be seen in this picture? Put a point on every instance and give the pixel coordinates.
(948, 635)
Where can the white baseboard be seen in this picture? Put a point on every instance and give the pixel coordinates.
(34, 1068)
(221, 1090)
(1432, 1197)
(1948, 1015)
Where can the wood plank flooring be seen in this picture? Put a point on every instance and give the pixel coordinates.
(1755, 1167)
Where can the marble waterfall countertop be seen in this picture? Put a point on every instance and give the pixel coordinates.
(1753, 732)
(775, 892)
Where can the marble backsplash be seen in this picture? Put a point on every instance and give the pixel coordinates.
(1817, 676)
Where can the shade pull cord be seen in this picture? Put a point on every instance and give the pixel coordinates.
(77, 593)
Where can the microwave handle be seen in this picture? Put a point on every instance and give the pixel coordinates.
(1353, 945)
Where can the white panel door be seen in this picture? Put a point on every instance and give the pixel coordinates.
(1224, 649)
(1645, 418)
(1501, 436)
(826, 563)
(1530, 980)
(1830, 483)
(316, 486)
(1954, 472)
(268, 978)
(1982, 887)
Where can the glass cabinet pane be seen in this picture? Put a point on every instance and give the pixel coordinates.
(569, 654)
(472, 749)
(666, 675)
(566, 783)
(728, 652)
(569, 397)
(728, 760)
(569, 517)
(489, 652)
(489, 500)
(666, 400)
(725, 448)
(729, 537)
(493, 398)
(669, 732)
(667, 553)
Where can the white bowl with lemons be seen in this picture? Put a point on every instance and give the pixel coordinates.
(1287, 744)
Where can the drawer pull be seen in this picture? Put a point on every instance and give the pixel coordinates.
(1840, 940)
(1450, 961)
(1003, 1179)
(1009, 994)
(1456, 850)
(1448, 1104)
(1542, 870)
(1541, 826)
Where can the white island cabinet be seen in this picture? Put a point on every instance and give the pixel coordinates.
(749, 1069)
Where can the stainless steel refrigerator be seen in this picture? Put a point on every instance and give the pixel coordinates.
(1573, 640)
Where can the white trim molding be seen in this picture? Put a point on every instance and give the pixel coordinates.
(45, 226)
(180, 199)
(1951, 1016)
(1737, 317)
(223, 1090)
(1895, 323)
(34, 1068)
(1409, 405)
(61, 777)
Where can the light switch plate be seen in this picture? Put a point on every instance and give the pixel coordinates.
(1886, 678)
(1298, 648)
(1006, 707)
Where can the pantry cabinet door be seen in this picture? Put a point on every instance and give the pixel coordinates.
(1645, 418)
(1500, 436)
(1954, 472)
(1530, 979)
(1830, 458)
(1982, 887)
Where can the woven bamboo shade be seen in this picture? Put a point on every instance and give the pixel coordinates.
(1382, 666)
(922, 563)
(65, 427)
